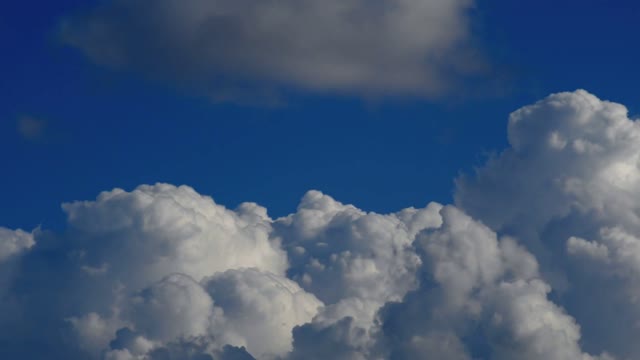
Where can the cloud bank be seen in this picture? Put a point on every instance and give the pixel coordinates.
(537, 259)
(358, 47)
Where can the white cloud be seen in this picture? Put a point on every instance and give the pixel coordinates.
(581, 247)
(175, 307)
(416, 47)
(14, 242)
(535, 180)
(163, 271)
(481, 297)
(92, 331)
(260, 310)
(158, 230)
(141, 260)
(342, 340)
(352, 260)
(568, 187)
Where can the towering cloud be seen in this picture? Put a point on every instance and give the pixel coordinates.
(569, 189)
(416, 47)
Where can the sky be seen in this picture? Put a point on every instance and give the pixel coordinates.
(302, 107)
(105, 128)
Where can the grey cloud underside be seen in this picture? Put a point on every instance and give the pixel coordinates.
(539, 259)
(361, 47)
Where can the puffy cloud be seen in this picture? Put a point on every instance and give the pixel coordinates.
(130, 346)
(353, 261)
(571, 152)
(163, 272)
(341, 340)
(568, 187)
(92, 331)
(260, 310)
(141, 236)
(480, 297)
(416, 47)
(149, 260)
(172, 308)
(248, 309)
(14, 242)
(337, 251)
(526, 325)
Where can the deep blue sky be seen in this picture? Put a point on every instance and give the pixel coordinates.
(107, 129)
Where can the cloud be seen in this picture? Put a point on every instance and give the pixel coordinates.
(222, 47)
(480, 297)
(260, 309)
(538, 259)
(134, 260)
(349, 258)
(164, 272)
(14, 242)
(157, 230)
(568, 189)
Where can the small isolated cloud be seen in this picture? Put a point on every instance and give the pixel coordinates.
(358, 47)
(31, 128)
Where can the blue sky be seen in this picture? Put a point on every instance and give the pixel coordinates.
(109, 129)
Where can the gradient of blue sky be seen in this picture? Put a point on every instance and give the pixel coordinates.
(105, 129)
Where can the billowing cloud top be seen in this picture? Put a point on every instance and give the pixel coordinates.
(569, 189)
(539, 259)
(415, 47)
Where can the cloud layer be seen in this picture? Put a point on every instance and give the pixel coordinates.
(538, 259)
(361, 47)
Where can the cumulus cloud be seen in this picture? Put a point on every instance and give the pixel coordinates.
(538, 259)
(350, 258)
(163, 272)
(149, 261)
(362, 47)
(175, 307)
(480, 297)
(568, 188)
(260, 309)
(14, 242)
(143, 235)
